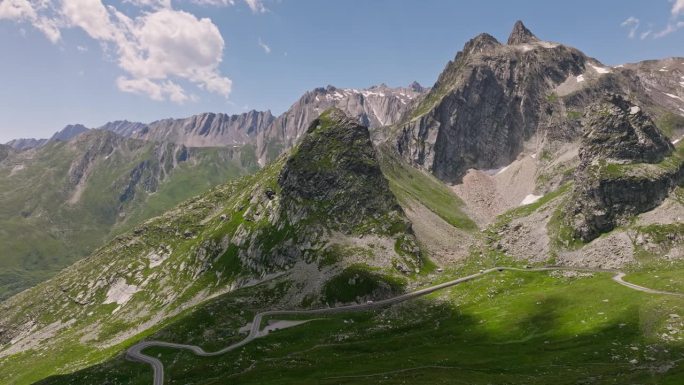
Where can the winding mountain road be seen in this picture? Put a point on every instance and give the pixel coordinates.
(134, 353)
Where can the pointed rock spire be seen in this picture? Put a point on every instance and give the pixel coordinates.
(521, 35)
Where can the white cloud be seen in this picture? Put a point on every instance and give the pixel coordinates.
(678, 7)
(258, 7)
(671, 27)
(155, 90)
(16, 10)
(155, 49)
(150, 3)
(633, 24)
(27, 11)
(264, 46)
(674, 23)
(82, 48)
(214, 3)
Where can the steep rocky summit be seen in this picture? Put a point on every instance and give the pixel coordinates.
(334, 174)
(627, 167)
(372, 107)
(486, 103)
(521, 35)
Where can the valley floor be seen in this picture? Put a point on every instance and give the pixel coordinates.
(512, 327)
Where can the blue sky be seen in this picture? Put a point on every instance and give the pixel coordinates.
(89, 61)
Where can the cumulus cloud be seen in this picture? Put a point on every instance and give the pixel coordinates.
(633, 24)
(28, 11)
(156, 49)
(257, 6)
(678, 7)
(264, 46)
(150, 3)
(155, 90)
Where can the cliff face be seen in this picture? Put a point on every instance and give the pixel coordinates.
(486, 103)
(372, 107)
(208, 130)
(627, 167)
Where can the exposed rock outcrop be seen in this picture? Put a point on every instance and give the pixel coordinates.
(124, 127)
(486, 103)
(627, 167)
(334, 175)
(371, 107)
(521, 35)
(26, 143)
(69, 132)
(208, 130)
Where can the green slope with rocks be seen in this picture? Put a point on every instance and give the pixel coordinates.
(324, 212)
(61, 201)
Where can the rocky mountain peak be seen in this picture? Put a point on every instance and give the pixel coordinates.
(617, 130)
(69, 132)
(417, 87)
(334, 175)
(481, 43)
(521, 35)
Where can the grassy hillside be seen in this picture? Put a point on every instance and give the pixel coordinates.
(59, 202)
(510, 327)
(408, 183)
(253, 230)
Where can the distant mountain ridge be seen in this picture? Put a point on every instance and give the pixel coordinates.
(373, 107)
(63, 199)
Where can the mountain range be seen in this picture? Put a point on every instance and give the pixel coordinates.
(529, 174)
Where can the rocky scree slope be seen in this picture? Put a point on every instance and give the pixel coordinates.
(627, 167)
(61, 201)
(248, 231)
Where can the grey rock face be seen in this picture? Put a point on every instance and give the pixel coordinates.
(627, 167)
(26, 143)
(485, 104)
(335, 174)
(69, 132)
(521, 35)
(208, 130)
(618, 131)
(662, 80)
(66, 134)
(372, 107)
(124, 128)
